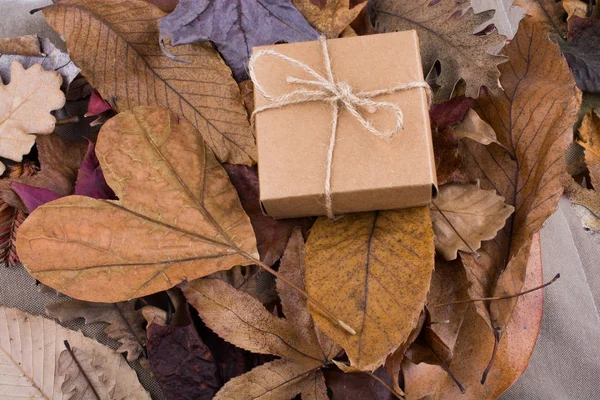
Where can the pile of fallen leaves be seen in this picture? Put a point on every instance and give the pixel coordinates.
(129, 186)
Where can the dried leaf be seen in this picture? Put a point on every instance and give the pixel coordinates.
(97, 105)
(447, 38)
(90, 179)
(583, 52)
(589, 133)
(8, 215)
(550, 14)
(125, 322)
(346, 386)
(587, 204)
(54, 60)
(25, 105)
(330, 17)
(464, 215)
(474, 345)
(373, 271)
(164, 5)
(28, 45)
(473, 127)
(34, 366)
(125, 31)
(177, 218)
(60, 160)
(506, 16)
(575, 8)
(271, 234)
(236, 26)
(533, 120)
(33, 196)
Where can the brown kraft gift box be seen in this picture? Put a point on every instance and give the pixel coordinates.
(368, 172)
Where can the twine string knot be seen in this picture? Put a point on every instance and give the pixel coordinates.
(337, 93)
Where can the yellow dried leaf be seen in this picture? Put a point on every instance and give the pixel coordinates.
(575, 8)
(332, 17)
(589, 133)
(177, 218)
(466, 213)
(25, 105)
(449, 39)
(116, 45)
(28, 45)
(373, 271)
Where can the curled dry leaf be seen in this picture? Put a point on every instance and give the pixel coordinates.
(134, 71)
(243, 321)
(575, 8)
(235, 26)
(25, 105)
(464, 215)
(34, 366)
(125, 322)
(447, 38)
(330, 17)
(549, 14)
(28, 45)
(473, 344)
(373, 271)
(583, 53)
(589, 134)
(473, 127)
(533, 120)
(586, 203)
(177, 218)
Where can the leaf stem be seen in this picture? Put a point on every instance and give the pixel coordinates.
(474, 251)
(308, 297)
(551, 281)
(72, 354)
(378, 379)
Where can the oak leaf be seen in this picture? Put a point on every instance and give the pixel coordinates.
(330, 17)
(449, 39)
(533, 119)
(116, 45)
(242, 320)
(506, 16)
(583, 52)
(35, 367)
(125, 322)
(177, 218)
(25, 105)
(589, 133)
(236, 26)
(373, 271)
(464, 215)
(473, 344)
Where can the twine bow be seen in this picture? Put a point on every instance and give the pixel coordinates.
(338, 94)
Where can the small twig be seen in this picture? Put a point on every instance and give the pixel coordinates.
(474, 251)
(68, 347)
(67, 121)
(500, 297)
(378, 379)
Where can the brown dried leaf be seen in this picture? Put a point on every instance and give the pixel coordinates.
(464, 215)
(474, 344)
(330, 17)
(533, 120)
(587, 205)
(25, 105)
(34, 367)
(449, 39)
(550, 14)
(135, 71)
(125, 322)
(473, 127)
(373, 271)
(28, 45)
(177, 218)
(589, 133)
(575, 8)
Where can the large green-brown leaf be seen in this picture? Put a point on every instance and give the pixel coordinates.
(533, 120)
(373, 271)
(177, 218)
(447, 38)
(116, 45)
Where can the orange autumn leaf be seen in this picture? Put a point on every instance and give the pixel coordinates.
(330, 18)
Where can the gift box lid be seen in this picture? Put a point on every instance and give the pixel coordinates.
(368, 172)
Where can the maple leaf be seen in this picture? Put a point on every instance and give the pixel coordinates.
(177, 218)
(52, 60)
(374, 270)
(236, 26)
(30, 370)
(243, 321)
(125, 63)
(25, 105)
(464, 215)
(527, 169)
(449, 39)
(467, 336)
(583, 53)
(330, 17)
(125, 322)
